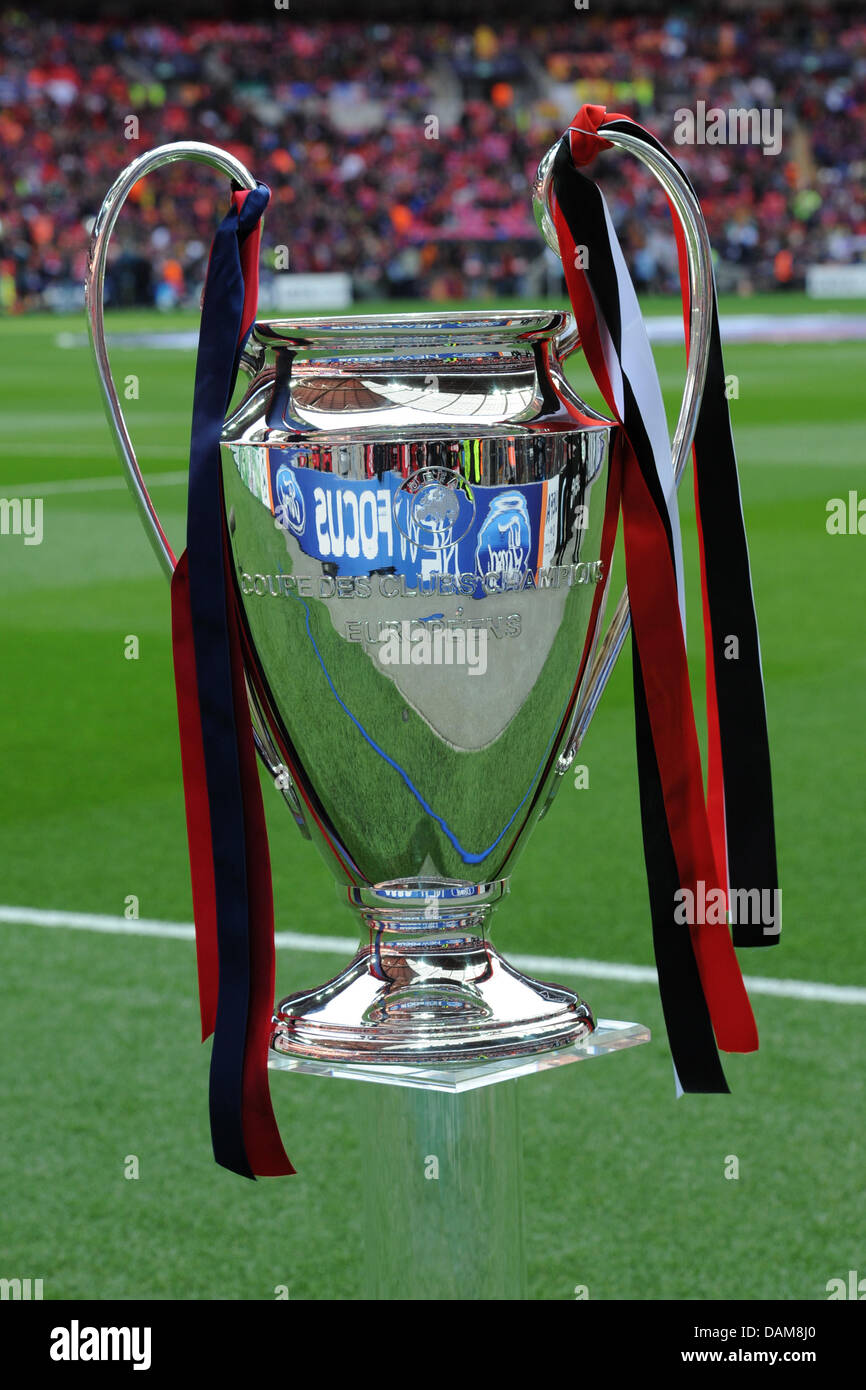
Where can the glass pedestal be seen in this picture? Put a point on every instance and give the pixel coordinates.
(443, 1168)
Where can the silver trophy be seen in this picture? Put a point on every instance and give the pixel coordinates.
(415, 507)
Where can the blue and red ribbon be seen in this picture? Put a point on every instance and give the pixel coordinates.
(230, 863)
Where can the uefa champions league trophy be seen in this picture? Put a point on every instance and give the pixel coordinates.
(414, 507)
(410, 526)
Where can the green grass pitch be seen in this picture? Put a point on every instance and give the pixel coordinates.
(99, 1057)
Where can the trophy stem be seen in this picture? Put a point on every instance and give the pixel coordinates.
(427, 987)
(447, 1223)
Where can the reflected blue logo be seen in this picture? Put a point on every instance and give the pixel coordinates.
(289, 505)
(505, 538)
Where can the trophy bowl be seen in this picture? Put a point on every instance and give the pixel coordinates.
(415, 507)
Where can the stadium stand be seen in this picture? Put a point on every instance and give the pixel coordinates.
(402, 154)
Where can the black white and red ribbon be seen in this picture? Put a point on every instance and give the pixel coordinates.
(230, 864)
(691, 841)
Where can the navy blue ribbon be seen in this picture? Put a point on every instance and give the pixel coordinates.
(216, 371)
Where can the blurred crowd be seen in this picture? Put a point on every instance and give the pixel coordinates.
(403, 155)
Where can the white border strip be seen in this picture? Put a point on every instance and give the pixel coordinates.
(543, 966)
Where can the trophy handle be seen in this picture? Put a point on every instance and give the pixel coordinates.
(94, 286)
(93, 295)
(701, 283)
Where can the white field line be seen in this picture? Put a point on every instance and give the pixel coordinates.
(543, 966)
(811, 326)
(113, 483)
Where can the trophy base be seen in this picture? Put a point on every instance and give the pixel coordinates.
(442, 1001)
(454, 1078)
